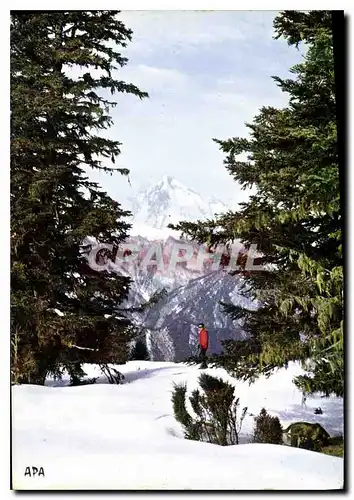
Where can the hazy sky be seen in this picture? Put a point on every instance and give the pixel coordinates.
(207, 73)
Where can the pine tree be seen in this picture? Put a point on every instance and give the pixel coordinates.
(58, 117)
(140, 351)
(267, 429)
(294, 218)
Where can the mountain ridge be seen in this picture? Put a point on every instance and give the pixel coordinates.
(170, 201)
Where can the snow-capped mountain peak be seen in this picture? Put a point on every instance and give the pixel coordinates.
(168, 182)
(170, 201)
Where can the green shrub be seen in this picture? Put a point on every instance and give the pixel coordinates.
(216, 411)
(267, 429)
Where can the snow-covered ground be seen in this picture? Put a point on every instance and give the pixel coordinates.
(104, 436)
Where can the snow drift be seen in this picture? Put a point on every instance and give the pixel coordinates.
(125, 436)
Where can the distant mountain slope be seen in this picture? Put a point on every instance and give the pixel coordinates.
(173, 323)
(194, 290)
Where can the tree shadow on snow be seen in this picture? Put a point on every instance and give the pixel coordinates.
(135, 375)
(102, 379)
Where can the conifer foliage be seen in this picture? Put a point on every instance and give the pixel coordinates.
(140, 351)
(294, 218)
(216, 411)
(64, 66)
(267, 429)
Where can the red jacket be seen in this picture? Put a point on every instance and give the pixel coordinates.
(203, 338)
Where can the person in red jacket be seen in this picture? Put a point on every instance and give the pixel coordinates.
(203, 343)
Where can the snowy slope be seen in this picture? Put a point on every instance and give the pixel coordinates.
(170, 201)
(125, 437)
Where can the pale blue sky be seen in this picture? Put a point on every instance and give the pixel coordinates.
(207, 73)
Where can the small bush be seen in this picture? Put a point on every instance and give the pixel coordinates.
(267, 429)
(216, 411)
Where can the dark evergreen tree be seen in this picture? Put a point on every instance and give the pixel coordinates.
(63, 66)
(294, 218)
(267, 429)
(140, 351)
